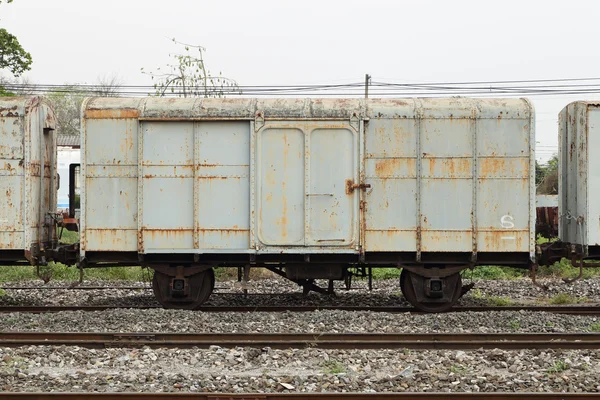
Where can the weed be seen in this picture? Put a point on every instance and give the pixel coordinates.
(69, 237)
(549, 324)
(458, 369)
(13, 363)
(334, 367)
(499, 301)
(60, 271)
(563, 298)
(564, 269)
(2, 293)
(386, 273)
(559, 366)
(494, 273)
(477, 294)
(514, 324)
(595, 327)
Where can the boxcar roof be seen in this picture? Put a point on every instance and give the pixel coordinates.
(313, 108)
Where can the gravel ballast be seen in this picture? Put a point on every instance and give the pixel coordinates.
(244, 370)
(240, 370)
(330, 321)
(278, 291)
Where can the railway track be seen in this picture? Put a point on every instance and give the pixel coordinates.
(570, 341)
(300, 396)
(571, 310)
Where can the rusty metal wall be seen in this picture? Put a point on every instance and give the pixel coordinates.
(307, 175)
(579, 174)
(28, 180)
(450, 175)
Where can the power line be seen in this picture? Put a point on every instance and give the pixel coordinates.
(540, 87)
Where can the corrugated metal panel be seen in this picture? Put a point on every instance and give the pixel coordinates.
(27, 172)
(445, 175)
(68, 140)
(546, 200)
(579, 173)
(449, 175)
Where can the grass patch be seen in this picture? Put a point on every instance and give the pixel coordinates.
(491, 300)
(514, 324)
(58, 271)
(458, 369)
(559, 366)
(499, 301)
(386, 273)
(564, 298)
(494, 273)
(595, 327)
(334, 367)
(564, 269)
(68, 237)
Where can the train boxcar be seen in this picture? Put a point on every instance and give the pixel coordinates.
(307, 188)
(28, 180)
(579, 178)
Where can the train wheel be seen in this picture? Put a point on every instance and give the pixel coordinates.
(186, 294)
(430, 295)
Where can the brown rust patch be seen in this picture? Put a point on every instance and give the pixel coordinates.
(349, 186)
(492, 166)
(458, 167)
(121, 113)
(387, 167)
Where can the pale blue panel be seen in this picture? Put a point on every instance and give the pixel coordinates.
(113, 204)
(280, 182)
(503, 137)
(168, 143)
(331, 213)
(111, 141)
(168, 204)
(223, 185)
(446, 204)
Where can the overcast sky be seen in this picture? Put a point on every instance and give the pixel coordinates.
(306, 42)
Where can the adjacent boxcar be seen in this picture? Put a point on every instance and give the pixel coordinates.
(308, 188)
(28, 180)
(579, 177)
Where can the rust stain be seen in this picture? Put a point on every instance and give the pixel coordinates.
(283, 221)
(432, 162)
(457, 167)
(388, 167)
(225, 232)
(121, 113)
(502, 167)
(491, 166)
(349, 186)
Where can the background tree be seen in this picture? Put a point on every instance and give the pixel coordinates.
(108, 86)
(546, 176)
(12, 56)
(16, 87)
(189, 76)
(67, 102)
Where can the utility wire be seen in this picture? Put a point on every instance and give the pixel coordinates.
(539, 87)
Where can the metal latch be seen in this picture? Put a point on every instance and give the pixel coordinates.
(350, 186)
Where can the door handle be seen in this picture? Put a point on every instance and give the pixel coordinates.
(351, 186)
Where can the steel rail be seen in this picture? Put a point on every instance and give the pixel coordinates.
(302, 396)
(74, 287)
(572, 310)
(506, 341)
